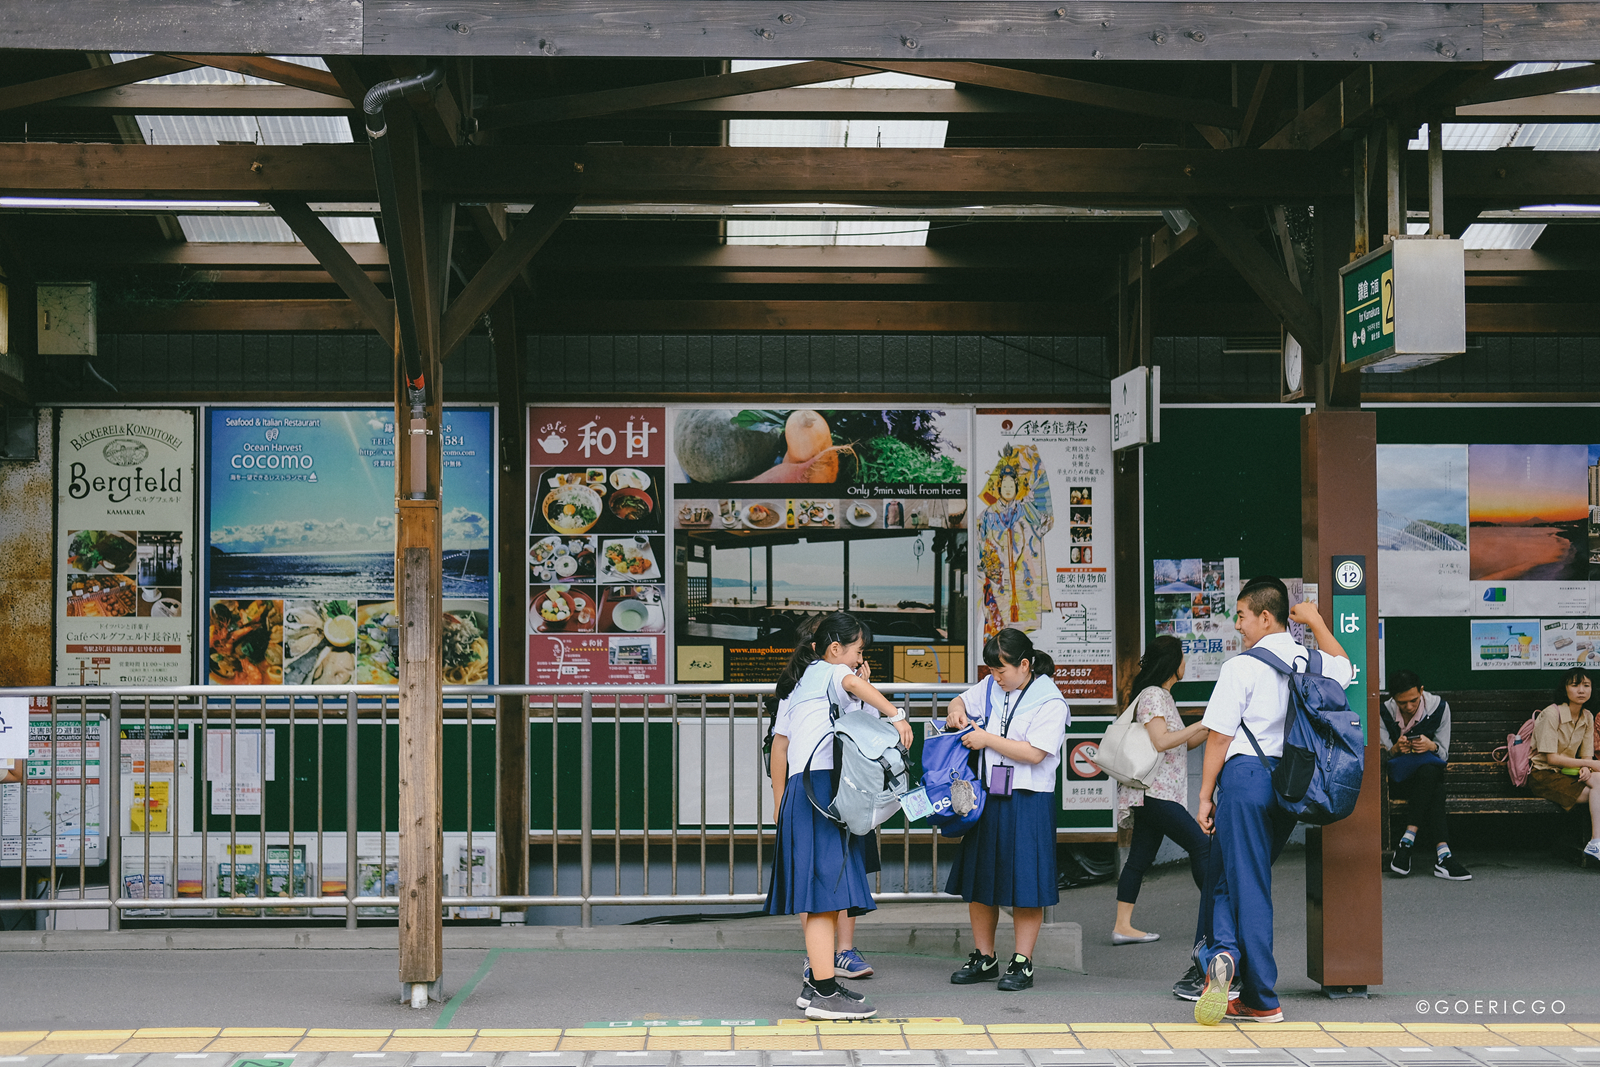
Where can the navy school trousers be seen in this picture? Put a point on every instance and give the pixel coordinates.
(1251, 830)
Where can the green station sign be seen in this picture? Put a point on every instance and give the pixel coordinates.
(1369, 309)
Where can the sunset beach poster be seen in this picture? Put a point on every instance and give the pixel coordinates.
(1528, 511)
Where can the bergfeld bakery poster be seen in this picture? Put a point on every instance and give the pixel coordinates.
(597, 562)
(125, 547)
(1044, 540)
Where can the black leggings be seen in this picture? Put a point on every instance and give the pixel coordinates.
(1425, 791)
(1151, 822)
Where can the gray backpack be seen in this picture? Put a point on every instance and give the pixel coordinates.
(871, 769)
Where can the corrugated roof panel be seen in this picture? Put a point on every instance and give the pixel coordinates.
(237, 229)
(213, 76)
(1502, 234)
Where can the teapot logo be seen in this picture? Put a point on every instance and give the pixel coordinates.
(552, 443)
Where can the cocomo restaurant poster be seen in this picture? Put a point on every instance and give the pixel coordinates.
(1044, 541)
(780, 515)
(597, 554)
(301, 528)
(125, 547)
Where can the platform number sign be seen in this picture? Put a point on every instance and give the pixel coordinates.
(1350, 625)
(1369, 309)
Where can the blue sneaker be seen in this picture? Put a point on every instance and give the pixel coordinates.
(808, 992)
(849, 964)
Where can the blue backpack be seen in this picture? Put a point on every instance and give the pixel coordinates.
(1319, 777)
(953, 787)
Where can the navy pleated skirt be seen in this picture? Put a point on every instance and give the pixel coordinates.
(818, 866)
(1009, 859)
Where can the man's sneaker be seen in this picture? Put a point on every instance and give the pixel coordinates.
(845, 1004)
(1193, 982)
(1213, 1002)
(1019, 975)
(849, 964)
(807, 990)
(1401, 863)
(1239, 1011)
(1447, 867)
(978, 968)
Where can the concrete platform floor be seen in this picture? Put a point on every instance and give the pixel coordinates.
(1458, 956)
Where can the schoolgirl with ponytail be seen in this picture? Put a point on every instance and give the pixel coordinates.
(819, 869)
(1018, 721)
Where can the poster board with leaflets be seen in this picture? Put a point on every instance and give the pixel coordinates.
(125, 527)
(157, 781)
(597, 598)
(1196, 601)
(300, 530)
(779, 516)
(1044, 541)
(73, 787)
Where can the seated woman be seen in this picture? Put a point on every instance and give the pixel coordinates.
(1563, 765)
(1414, 726)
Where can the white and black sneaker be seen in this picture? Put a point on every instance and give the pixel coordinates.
(1447, 867)
(842, 1004)
(807, 990)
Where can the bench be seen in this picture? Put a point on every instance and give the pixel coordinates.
(1475, 784)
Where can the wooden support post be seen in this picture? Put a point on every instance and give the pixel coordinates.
(1339, 516)
(1435, 178)
(511, 727)
(1393, 169)
(421, 228)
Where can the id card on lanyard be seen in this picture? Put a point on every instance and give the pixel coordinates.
(1001, 774)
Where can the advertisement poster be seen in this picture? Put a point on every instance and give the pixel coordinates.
(1568, 643)
(597, 553)
(1196, 601)
(301, 527)
(780, 515)
(125, 547)
(1422, 530)
(1505, 644)
(1044, 541)
(65, 789)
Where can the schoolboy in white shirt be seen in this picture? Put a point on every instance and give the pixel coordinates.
(1239, 805)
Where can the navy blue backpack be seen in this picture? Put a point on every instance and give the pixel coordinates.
(1319, 777)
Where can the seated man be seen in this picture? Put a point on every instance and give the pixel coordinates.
(1414, 727)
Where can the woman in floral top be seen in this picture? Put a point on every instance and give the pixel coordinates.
(1161, 810)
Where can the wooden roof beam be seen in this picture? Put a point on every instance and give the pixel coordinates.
(207, 100)
(212, 255)
(1527, 85)
(503, 267)
(376, 308)
(61, 86)
(1350, 103)
(1076, 91)
(657, 94)
(1262, 273)
(273, 70)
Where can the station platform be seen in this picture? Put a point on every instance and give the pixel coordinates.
(1498, 963)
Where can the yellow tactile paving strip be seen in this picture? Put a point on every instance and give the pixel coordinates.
(800, 1036)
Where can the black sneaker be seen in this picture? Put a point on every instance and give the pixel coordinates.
(978, 968)
(1401, 862)
(1018, 976)
(1193, 982)
(1449, 868)
(844, 1004)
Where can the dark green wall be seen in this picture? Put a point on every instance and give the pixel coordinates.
(1223, 482)
(1226, 482)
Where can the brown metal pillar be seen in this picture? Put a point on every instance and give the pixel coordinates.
(1339, 516)
(511, 724)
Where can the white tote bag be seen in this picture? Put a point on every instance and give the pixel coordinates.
(1126, 752)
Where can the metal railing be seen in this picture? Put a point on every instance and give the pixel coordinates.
(187, 777)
